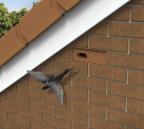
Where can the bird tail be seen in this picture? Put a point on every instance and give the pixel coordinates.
(64, 73)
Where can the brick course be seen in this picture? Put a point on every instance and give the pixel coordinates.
(107, 96)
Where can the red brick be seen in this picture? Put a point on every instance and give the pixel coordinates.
(37, 125)
(36, 116)
(108, 43)
(23, 106)
(11, 125)
(64, 114)
(60, 123)
(12, 101)
(114, 73)
(126, 60)
(48, 66)
(49, 120)
(79, 118)
(127, 29)
(12, 107)
(130, 127)
(137, 2)
(92, 56)
(18, 120)
(25, 116)
(113, 101)
(79, 126)
(126, 90)
(101, 28)
(81, 42)
(64, 53)
(97, 111)
(42, 107)
(104, 124)
(137, 46)
(3, 124)
(89, 82)
(49, 98)
(48, 127)
(35, 89)
(121, 14)
(136, 77)
(3, 116)
(3, 101)
(79, 106)
(79, 93)
(126, 118)
(23, 90)
(137, 13)
(135, 106)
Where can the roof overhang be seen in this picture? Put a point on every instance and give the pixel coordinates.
(75, 23)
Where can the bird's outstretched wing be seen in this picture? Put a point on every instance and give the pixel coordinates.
(40, 76)
(58, 90)
(61, 75)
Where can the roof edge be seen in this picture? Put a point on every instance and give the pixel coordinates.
(80, 19)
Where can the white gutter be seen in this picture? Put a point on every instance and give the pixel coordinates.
(75, 23)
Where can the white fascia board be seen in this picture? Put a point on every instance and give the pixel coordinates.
(75, 23)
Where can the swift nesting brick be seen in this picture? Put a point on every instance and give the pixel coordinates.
(98, 57)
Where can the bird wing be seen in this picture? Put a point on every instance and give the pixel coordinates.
(40, 76)
(61, 75)
(58, 90)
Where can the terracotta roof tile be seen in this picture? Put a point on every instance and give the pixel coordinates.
(67, 4)
(10, 45)
(42, 16)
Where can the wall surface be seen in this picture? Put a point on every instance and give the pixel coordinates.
(72, 25)
(106, 94)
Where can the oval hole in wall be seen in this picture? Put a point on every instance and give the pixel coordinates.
(82, 55)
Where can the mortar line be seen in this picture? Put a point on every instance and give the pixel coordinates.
(130, 16)
(88, 117)
(7, 115)
(88, 96)
(106, 87)
(127, 76)
(88, 70)
(125, 127)
(129, 44)
(108, 29)
(88, 124)
(88, 42)
(126, 110)
(106, 116)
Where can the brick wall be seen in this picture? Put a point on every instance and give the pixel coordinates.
(107, 96)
